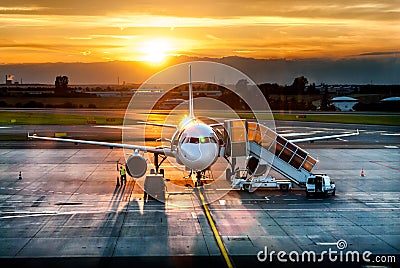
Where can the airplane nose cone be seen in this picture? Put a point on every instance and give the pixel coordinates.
(192, 154)
(198, 156)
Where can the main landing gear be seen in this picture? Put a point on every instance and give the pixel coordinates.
(158, 160)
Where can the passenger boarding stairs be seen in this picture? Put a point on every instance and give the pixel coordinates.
(261, 145)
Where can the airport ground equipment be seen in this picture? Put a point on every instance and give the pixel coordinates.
(242, 180)
(320, 184)
(263, 147)
(154, 186)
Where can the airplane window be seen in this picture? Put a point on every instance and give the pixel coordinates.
(213, 140)
(203, 140)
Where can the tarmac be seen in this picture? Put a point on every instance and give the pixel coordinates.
(66, 210)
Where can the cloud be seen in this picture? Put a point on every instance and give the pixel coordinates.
(212, 37)
(381, 53)
(21, 9)
(349, 9)
(261, 29)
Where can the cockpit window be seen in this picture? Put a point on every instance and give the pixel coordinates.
(194, 140)
(200, 140)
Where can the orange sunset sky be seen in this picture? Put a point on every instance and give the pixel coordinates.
(36, 31)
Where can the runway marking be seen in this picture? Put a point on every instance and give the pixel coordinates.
(299, 134)
(383, 203)
(390, 134)
(215, 232)
(118, 127)
(290, 199)
(223, 189)
(302, 209)
(250, 199)
(380, 164)
(391, 147)
(58, 213)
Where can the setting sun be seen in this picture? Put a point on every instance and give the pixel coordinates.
(155, 51)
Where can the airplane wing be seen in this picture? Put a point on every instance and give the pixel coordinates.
(158, 150)
(311, 139)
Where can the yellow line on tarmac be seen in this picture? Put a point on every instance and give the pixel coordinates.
(215, 231)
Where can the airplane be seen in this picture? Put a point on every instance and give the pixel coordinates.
(195, 144)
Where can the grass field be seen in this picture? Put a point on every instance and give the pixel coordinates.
(28, 118)
(392, 120)
(31, 118)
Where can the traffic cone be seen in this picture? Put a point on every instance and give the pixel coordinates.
(362, 173)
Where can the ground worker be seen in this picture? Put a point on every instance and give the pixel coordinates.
(122, 172)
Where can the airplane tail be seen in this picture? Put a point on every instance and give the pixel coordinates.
(191, 112)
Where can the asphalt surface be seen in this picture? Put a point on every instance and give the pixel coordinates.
(67, 211)
(371, 136)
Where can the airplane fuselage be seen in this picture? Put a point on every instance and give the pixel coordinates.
(197, 146)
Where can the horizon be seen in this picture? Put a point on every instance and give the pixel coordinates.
(355, 71)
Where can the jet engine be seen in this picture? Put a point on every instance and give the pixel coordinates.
(136, 166)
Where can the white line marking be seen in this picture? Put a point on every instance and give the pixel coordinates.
(297, 134)
(382, 203)
(290, 199)
(390, 134)
(301, 209)
(118, 127)
(223, 189)
(391, 147)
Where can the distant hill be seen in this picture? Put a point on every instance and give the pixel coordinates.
(360, 70)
